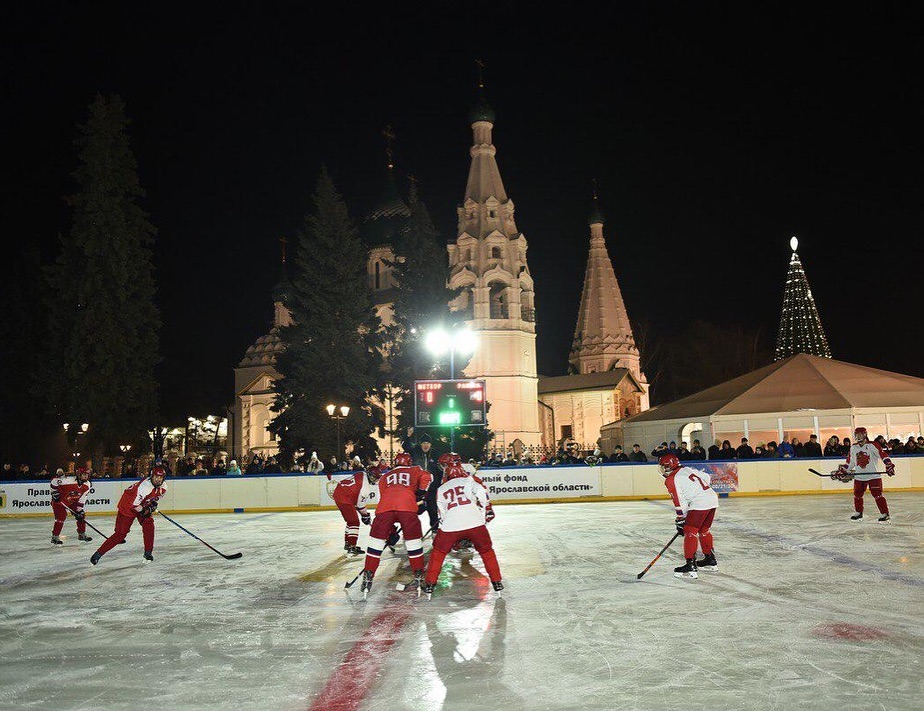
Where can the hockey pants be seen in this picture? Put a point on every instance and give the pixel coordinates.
(122, 525)
(875, 488)
(60, 512)
(696, 531)
(444, 541)
(382, 527)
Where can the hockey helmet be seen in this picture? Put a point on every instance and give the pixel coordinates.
(445, 460)
(373, 474)
(454, 471)
(860, 435)
(456, 457)
(403, 459)
(668, 464)
(158, 471)
(82, 474)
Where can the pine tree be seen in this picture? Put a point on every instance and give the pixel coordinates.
(332, 348)
(103, 324)
(422, 301)
(800, 325)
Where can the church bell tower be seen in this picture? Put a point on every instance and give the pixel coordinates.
(488, 263)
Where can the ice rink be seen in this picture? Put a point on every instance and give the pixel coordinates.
(808, 610)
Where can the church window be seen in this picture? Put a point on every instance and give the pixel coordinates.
(493, 213)
(495, 252)
(499, 301)
(567, 432)
(378, 275)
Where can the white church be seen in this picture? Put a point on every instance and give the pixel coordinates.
(488, 262)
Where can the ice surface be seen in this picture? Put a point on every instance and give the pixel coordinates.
(808, 611)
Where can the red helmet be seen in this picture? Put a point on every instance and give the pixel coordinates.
(159, 471)
(454, 471)
(668, 463)
(382, 465)
(82, 474)
(373, 474)
(860, 435)
(445, 460)
(403, 459)
(456, 457)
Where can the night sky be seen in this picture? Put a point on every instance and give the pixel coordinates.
(715, 132)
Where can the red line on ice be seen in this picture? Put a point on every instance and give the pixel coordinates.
(354, 676)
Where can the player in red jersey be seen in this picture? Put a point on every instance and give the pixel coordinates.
(862, 466)
(69, 493)
(401, 492)
(351, 496)
(694, 504)
(138, 501)
(463, 504)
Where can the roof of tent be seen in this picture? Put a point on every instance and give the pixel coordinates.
(802, 382)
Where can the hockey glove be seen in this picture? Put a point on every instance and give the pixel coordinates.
(55, 495)
(365, 518)
(679, 523)
(79, 515)
(841, 473)
(890, 468)
(489, 514)
(421, 507)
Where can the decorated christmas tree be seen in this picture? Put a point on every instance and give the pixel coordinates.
(800, 325)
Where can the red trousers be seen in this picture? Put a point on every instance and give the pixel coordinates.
(122, 525)
(444, 542)
(351, 534)
(875, 488)
(60, 512)
(382, 526)
(696, 531)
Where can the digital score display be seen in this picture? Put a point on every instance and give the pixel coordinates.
(449, 403)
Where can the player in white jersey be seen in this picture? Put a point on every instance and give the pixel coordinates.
(462, 503)
(863, 466)
(694, 505)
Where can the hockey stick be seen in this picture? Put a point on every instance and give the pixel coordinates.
(87, 522)
(648, 567)
(832, 476)
(233, 556)
(348, 585)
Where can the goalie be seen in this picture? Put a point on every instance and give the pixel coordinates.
(862, 467)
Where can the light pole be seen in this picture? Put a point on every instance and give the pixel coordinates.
(332, 411)
(73, 431)
(438, 341)
(157, 436)
(126, 448)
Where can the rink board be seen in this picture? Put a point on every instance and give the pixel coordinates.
(293, 492)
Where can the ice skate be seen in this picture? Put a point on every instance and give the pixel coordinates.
(57, 541)
(707, 563)
(149, 556)
(885, 518)
(428, 589)
(498, 585)
(83, 537)
(687, 570)
(419, 580)
(94, 559)
(857, 517)
(367, 583)
(355, 550)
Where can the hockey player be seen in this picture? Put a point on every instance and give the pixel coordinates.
(694, 504)
(138, 501)
(351, 496)
(862, 466)
(401, 492)
(450, 459)
(463, 504)
(69, 493)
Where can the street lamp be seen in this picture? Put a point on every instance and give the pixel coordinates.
(73, 431)
(461, 340)
(438, 340)
(332, 412)
(126, 448)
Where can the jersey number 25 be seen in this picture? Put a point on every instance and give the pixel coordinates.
(456, 497)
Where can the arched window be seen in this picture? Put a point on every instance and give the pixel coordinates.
(495, 252)
(499, 300)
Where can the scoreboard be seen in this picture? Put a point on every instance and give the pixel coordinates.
(449, 403)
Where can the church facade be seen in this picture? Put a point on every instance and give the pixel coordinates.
(497, 301)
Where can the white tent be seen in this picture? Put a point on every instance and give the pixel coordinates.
(794, 397)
